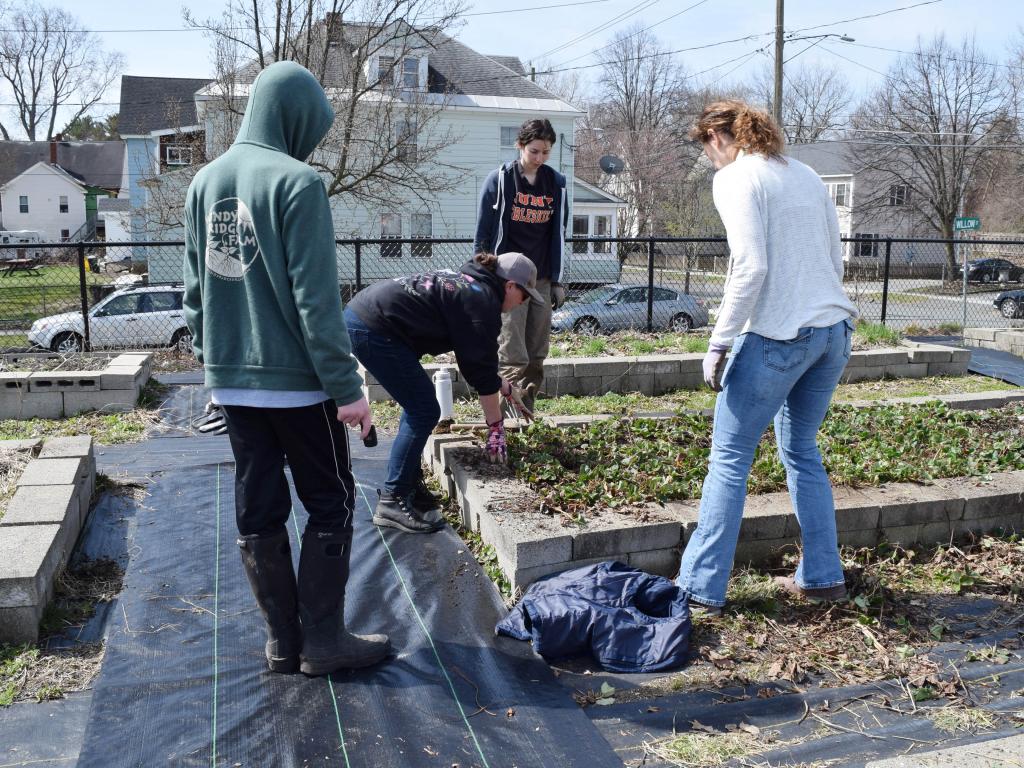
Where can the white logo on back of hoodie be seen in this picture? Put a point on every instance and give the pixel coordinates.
(231, 245)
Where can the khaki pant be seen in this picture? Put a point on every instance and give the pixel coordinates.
(525, 338)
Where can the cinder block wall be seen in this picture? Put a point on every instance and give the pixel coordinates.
(658, 374)
(1004, 339)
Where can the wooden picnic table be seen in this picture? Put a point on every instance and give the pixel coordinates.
(9, 267)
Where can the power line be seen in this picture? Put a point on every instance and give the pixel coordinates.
(644, 5)
(936, 55)
(634, 34)
(861, 18)
(243, 29)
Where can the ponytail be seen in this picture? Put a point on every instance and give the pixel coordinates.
(486, 260)
(753, 130)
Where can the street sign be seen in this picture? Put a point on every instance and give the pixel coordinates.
(964, 223)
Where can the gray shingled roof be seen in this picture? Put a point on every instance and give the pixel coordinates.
(157, 103)
(96, 163)
(825, 157)
(512, 62)
(452, 66)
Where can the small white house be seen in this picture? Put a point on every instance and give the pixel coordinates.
(45, 198)
(52, 187)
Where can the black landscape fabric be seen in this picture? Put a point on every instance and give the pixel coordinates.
(184, 681)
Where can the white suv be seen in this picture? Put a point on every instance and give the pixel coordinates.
(137, 317)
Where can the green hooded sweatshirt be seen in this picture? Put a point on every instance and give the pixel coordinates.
(261, 276)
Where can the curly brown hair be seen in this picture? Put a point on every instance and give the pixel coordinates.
(753, 129)
(486, 260)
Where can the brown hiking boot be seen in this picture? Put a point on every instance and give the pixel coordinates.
(815, 595)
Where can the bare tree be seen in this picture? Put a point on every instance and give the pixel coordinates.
(568, 85)
(49, 62)
(931, 132)
(815, 100)
(633, 117)
(388, 136)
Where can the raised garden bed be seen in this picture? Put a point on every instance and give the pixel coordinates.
(627, 490)
(1004, 339)
(40, 526)
(40, 385)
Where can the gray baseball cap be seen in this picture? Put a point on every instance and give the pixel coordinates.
(521, 271)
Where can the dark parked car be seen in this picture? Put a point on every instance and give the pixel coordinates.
(993, 271)
(1010, 304)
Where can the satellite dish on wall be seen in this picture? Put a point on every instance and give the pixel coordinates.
(611, 164)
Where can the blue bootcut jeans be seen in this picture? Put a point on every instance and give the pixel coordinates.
(397, 368)
(791, 381)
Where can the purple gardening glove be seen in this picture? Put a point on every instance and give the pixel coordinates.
(714, 364)
(497, 451)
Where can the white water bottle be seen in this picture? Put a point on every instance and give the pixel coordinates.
(443, 391)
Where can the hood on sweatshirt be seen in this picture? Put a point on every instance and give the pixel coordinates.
(287, 111)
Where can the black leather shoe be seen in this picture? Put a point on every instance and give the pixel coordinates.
(399, 512)
(423, 499)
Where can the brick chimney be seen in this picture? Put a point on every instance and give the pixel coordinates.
(53, 148)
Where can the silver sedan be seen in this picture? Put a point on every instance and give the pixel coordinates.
(618, 307)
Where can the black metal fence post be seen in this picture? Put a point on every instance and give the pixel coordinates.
(359, 266)
(86, 343)
(885, 279)
(650, 284)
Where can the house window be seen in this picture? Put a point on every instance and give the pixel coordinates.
(65, 234)
(405, 141)
(602, 228)
(840, 194)
(422, 228)
(175, 154)
(507, 149)
(63, 204)
(868, 245)
(23, 203)
(385, 71)
(899, 194)
(580, 228)
(391, 229)
(410, 72)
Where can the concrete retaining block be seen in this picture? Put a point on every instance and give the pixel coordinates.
(30, 556)
(601, 366)
(862, 373)
(855, 510)
(930, 354)
(656, 364)
(14, 382)
(754, 551)
(907, 371)
(765, 517)
(604, 537)
(521, 578)
(118, 377)
(64, 381)
(947, 369)
(1001, 493)
(664, 562)
(868, 537)
(20, 445)
(32, 405)
(631, 382)
(40, 504)
(904, 504)
(106, 400)
(979, 334)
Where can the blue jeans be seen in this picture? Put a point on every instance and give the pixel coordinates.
(397, 368)
(791, 381)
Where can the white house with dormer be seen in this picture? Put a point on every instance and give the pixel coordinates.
(482, 101)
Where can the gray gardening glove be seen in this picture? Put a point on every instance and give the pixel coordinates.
(557, 295)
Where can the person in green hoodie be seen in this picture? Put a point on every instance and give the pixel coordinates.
(263, 304)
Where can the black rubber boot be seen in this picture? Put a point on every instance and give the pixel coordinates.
(323, 573)
(267, 561)
(401, 512)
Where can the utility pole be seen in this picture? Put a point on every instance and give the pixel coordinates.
(779, 44)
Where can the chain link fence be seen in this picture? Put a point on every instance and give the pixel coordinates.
(127, 295)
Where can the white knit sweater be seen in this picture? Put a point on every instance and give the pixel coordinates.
(786, 261)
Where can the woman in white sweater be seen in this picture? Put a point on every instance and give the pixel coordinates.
(789, 325)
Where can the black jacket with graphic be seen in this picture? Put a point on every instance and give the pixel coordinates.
(442, 311)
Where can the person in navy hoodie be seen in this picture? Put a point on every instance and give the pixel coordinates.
(523, 208)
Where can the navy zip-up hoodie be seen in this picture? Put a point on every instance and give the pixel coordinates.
(495, 216)
(442, 311)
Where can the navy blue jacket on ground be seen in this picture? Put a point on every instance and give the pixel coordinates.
(631, 621)
(495, 215)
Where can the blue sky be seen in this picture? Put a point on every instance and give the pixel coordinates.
(532, 34)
